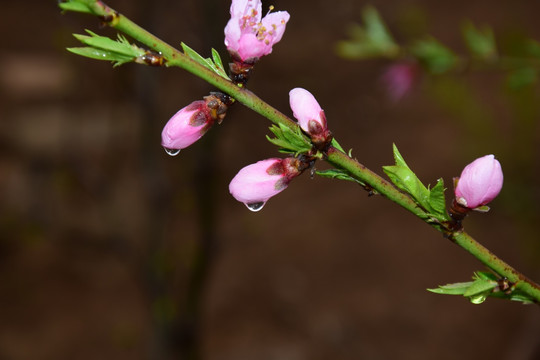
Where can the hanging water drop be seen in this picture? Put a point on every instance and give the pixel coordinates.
(172, 152)
(478, 299)
(256, 206)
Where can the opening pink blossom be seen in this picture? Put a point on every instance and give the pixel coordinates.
(248, 36)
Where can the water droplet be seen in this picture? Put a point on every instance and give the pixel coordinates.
(256, 206)
(172, 152)
(478, 299)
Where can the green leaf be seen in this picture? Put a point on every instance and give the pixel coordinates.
(481, 42)
(338, 174)
(216, 67)
(480, 286)
(371, 40)
(120, 46)
(291, 141)
(99, 54)
(435, 56)
(532, 47)
(406, 180)
(337, 146)
(485, 275)
(437, 201)
(522, 77)
(219, 64)
(452, 289)
(485, 284)
(75, 6)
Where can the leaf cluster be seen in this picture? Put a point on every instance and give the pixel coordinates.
(431, 200)
(484, 285)
(371, 40)
(290, 141)
(215, 64)
(118, 51)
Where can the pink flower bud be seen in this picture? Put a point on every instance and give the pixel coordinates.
(307, 111)
(186, 126)
(247, 36)
(256, 183)
(479, 183)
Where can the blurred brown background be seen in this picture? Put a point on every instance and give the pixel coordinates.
(110, 249)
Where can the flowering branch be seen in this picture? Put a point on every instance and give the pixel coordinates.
(309, 139)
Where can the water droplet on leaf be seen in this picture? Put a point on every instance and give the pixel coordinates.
(172, 152)
(256, 206)
(478, 299)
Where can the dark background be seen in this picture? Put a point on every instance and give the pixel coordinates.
(110, 249)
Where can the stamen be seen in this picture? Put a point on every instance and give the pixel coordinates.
(270, 8)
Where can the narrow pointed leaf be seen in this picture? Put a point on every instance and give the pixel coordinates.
(481, 42)
(219, 64)
(437, 201)
(74, 6)
(195, 56)
(480, 286)
(338, 174)
(337, 146)
(452, 289)
(99, 54)
(434, 55)
(120, 46)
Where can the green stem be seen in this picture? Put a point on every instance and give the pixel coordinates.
(175, 57)
(382, 186)
(335, 157)
(493, 262)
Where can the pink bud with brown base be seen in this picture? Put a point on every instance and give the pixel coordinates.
(310, 116)
(255, 184)
(185, 127)
(190, 123)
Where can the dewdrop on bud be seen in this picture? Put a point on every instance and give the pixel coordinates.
(258, 182)
(190, 123)
(479, 183)
(185, 127)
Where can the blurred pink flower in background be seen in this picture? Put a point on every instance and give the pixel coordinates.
(247, 36)
(480, 182)
(399, 78)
